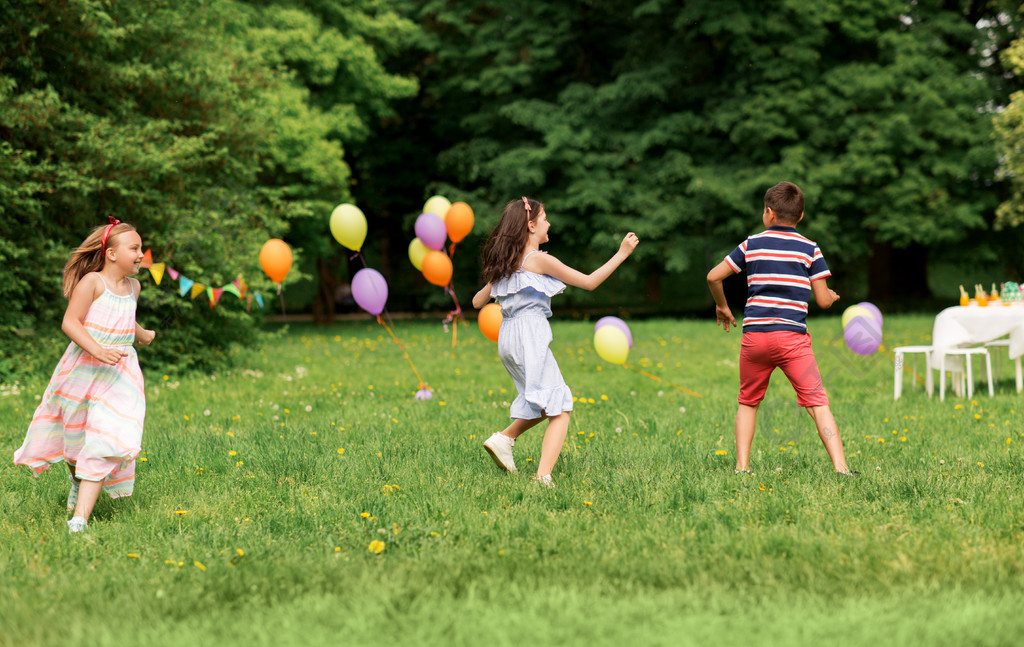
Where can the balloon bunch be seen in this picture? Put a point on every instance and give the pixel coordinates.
(276, 261)
(613, 339)
(862, 328)
(369, 288)
(439, 221)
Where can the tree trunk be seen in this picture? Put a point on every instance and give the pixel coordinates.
(323, 305)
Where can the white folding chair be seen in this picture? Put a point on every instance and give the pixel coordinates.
(1006, 343)
(897, 375)
(967, 354)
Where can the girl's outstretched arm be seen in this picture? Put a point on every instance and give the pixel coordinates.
(73, 325)
(481, 298)
(548, 264)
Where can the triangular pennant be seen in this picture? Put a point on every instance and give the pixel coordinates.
(248, 302)
(173, 272)
(240, 285)
(157, 270)
(231, 288)
(198, 289)
(184, 284)
(259, 299)
(147, 260)
(217, 292)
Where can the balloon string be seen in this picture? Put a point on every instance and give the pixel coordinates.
(281, 294)
(358, 255)
(405, 353)
(454, 315)
(655, 377)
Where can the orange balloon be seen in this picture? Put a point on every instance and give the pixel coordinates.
(459, 221)
(490, 320)
(276, 259)
(437, 268)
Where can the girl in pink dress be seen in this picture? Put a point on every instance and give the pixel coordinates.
(92, 412)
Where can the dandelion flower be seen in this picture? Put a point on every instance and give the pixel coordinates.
(364, 515)
(180, 512)
(376, 547)
(341, 450)
(240, 552)
(721, 452)
(133, 555)
(199, 565)
(232, 453)
(588, 503)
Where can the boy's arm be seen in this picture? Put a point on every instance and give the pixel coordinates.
(723, 315)
(481, 298)
(823, 296)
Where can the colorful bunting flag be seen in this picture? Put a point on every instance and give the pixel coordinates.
(232, 289)
(157, 270)
(198, 289)
(259, 299)
(184, 284)
(147, 260)
(173, 272)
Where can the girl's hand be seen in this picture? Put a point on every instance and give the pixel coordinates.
(629, 243)
(110, 356)
(145, 337)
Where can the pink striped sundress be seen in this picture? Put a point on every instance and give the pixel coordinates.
(91, 414)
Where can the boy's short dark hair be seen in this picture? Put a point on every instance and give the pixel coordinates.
(786, 200)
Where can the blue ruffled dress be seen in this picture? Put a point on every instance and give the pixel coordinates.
(523, 343)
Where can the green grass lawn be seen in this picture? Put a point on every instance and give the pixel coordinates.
(260, 490)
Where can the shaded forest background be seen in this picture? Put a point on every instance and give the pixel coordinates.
(213, 125)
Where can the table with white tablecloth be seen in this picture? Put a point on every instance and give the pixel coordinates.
(967, 326)
(973, 325)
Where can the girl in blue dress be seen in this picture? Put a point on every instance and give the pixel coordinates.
(523, 281)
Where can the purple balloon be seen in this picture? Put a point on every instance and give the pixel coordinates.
(431, 231)
(874, 310)
(863, 335)
(618, 323)
(370, 290)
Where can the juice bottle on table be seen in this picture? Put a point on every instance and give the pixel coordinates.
(964, 298)
(993, 296)
(979, 295)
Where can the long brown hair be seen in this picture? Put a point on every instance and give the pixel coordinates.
(88, 257)
(503, 250)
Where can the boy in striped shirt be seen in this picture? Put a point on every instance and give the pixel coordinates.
(783, 270)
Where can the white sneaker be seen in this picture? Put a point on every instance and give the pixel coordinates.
(543, 480)
(499, 446)
(77, 524)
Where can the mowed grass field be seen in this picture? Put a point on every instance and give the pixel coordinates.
(261, 490)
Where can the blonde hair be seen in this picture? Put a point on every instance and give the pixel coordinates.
(88, 257)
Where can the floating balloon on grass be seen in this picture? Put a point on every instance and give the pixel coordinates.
(417, 250)
(276, 259)
(490, 321)
(430, 230)
(618, 323)
(863, 335)
(370, 290)
(459, 221)
(437, 268)
(348, 224)
(437, 204)
(611, 344)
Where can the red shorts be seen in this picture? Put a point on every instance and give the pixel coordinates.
(762, 352)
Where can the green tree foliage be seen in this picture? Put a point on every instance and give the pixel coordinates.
(1010, 132)
(209, 125)
(671, 119)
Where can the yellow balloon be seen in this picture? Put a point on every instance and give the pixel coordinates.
(611, 344)
(348, 224)
(437, 204)
(417, 250)
(855, 311)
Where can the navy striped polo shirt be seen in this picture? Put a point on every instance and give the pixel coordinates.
(780, 265)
